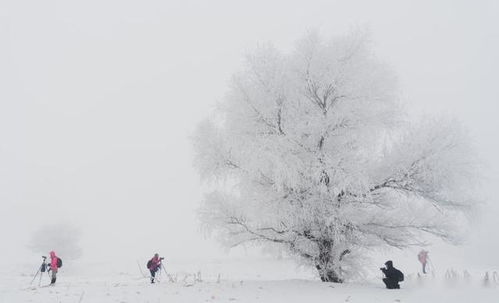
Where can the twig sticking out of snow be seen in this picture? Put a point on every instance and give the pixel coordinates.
(451, 277)
(140, 269)
(198, 277)
(495, 277)
(486, 279)
(81, 297)
(467, 276)
(173, 278)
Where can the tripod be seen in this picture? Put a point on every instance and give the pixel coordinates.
(159, 270)
(41, 269)
(162, 269)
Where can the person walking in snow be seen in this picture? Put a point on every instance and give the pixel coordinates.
(53, 267)
(154, 265)
(392, 276)
(423, 258)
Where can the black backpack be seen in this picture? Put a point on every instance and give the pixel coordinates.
(59, 262)
(400, 276)
(149, 263)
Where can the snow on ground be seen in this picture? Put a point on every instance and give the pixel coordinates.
(101, 284)
(124, 288)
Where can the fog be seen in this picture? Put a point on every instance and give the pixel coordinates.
(98, 100)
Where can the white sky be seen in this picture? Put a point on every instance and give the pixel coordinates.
(98, 100)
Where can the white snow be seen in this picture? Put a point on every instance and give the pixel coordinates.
(101, 284)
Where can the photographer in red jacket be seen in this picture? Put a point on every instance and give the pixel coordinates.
(53, 267)
(154, 265)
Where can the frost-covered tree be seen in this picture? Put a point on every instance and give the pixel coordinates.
(311, 151)
(63, 238)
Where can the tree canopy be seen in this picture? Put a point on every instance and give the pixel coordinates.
(313, 151)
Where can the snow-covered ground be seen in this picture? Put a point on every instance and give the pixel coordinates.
(100, 284)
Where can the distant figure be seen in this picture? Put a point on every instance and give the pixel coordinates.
(423, 258)
(392, 276)
(54, 266)
(154, 265)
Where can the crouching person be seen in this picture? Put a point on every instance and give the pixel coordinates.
(392, 276)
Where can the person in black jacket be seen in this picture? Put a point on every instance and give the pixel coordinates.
(393, 276)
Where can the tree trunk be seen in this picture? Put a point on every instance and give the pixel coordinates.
(328, 275)
(324, 264)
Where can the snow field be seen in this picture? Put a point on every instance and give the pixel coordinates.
(104, 285)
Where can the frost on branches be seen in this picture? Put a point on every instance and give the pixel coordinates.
(311, 150)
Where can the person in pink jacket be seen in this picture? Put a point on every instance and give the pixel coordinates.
(154, 265)
(423, 258)
(53, 266)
